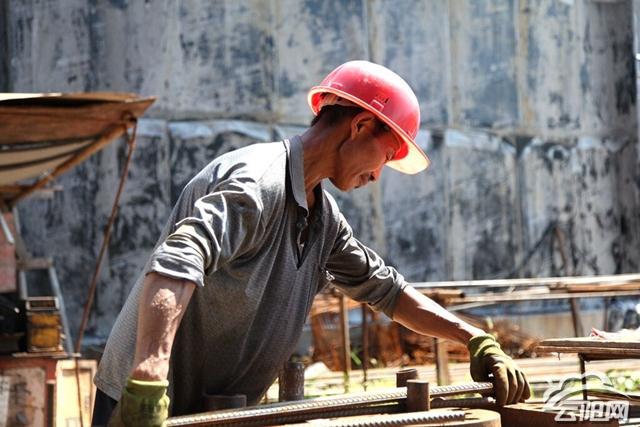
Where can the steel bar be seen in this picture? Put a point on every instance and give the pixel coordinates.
(202, 420)
(346, 341)
(468, 402)
(365, 344)
(311, 408)
(55, 287)
(452, 390)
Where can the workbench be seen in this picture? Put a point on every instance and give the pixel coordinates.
(591, 348)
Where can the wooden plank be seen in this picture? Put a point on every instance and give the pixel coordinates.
(603, 287)
(442, 361)
(68, 409)
(528, 296)
(546, 281)
(591, 352)
(590, 342)
(63, 117)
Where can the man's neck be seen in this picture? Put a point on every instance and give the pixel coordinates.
(317, 160)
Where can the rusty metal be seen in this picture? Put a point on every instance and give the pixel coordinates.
(452, 390)
(365, 344)
(467, 402)
(357, 403)
(346, 341)
(418, 396)
(291, 382)
(413, 418)
(202, 420)
(403, 375)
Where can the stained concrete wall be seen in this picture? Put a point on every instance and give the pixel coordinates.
(528, 113)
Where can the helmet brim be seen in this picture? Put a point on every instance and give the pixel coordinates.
(415, 161)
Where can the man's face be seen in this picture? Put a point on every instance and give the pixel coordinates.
(363, 156)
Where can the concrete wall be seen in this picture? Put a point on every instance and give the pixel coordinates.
(528, 113)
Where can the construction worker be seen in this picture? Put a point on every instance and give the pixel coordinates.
(221, 303)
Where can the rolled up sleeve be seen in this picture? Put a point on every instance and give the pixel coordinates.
(361, 274)
(219, 227)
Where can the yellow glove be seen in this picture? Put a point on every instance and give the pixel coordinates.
(143, 404)
(509, 383)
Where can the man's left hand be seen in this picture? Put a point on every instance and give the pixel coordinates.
(509, 382)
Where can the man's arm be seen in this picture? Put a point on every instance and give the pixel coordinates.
(144, 401)
(425, 316)
(162, 305)
(362, 275)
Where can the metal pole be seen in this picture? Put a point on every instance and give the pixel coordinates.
(365, 345)
(131, 143)
(346, 342)
(55, 285)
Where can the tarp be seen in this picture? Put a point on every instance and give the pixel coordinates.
(45, 134)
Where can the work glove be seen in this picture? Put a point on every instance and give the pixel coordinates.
(487, 358)
(143, 404)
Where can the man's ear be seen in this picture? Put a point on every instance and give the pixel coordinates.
(362, 123)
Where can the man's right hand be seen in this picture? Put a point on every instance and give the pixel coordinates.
(143, 404)
(487, 358)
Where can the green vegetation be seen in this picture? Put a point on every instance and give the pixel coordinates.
(625, 380)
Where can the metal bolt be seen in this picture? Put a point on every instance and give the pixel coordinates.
(291, 382)
(418, 396)
(405, 374)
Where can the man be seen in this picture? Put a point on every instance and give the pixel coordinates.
(252, 239)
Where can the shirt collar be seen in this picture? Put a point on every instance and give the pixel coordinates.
(296, 171)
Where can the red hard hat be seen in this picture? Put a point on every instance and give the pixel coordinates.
(384, 93)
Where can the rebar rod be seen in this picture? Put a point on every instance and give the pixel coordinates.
(468, 402)
(311, 408)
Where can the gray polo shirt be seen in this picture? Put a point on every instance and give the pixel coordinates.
(255, 281)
